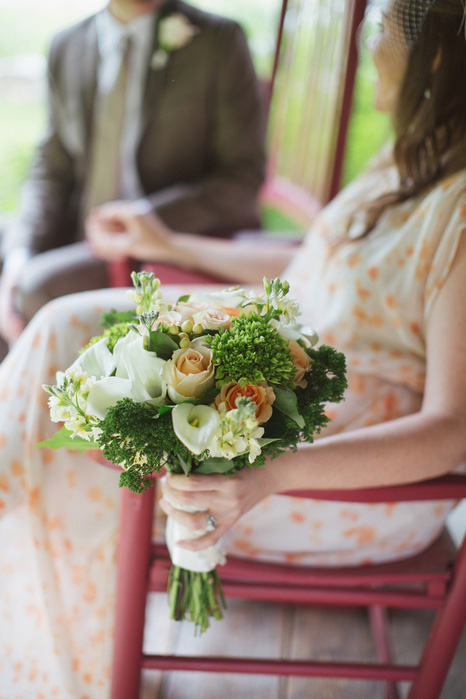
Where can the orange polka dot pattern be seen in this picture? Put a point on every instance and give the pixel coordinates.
(58, 522)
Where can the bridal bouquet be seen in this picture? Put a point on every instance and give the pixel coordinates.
(212, 384)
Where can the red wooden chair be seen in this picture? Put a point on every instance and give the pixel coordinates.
(434, 579)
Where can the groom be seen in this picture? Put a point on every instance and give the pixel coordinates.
(177, 87)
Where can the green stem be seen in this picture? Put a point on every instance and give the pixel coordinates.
(195, 596)
(175, 592)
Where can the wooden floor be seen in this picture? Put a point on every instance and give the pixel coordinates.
(255, 629)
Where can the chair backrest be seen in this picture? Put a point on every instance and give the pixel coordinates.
(312, 89)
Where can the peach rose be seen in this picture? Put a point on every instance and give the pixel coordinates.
(301, 361)
(262, 394)
(212, 318)
(189, 308)
(189, 372)
(169, 319)
(232, 311)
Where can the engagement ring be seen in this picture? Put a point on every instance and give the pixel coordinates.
(211, 522)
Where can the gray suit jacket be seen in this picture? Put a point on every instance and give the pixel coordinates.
(201, 154)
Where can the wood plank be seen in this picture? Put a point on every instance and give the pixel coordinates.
(329, 635)
(248, 629)
(159, 637)
(409, 631)
(254, 629)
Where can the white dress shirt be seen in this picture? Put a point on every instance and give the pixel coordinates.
(110, 33)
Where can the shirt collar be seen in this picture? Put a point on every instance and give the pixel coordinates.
(110, 31)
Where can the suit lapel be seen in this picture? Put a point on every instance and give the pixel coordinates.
(155, 78)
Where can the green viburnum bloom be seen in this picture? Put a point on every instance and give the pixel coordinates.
(251, 351)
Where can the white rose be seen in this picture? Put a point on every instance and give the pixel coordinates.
(229, 298)
(106, 393)
(96, 360)
(138, 376)
(296, 332)
(141, 367)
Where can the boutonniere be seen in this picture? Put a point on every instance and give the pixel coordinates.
(174, 32)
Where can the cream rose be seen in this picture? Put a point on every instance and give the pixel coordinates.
(169, 319)
(188, 309)
(213, 318)
(189, 372)
(262, 394)
(301, 361)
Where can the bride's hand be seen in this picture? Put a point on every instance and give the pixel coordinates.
(226, 498)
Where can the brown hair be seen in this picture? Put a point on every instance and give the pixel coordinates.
(430, 118)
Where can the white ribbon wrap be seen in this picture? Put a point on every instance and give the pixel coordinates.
(197, 561)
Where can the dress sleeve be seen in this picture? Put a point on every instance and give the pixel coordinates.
(450, 217)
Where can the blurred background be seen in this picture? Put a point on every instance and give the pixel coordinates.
(26, 28)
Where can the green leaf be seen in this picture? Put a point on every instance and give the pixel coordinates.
(214, 465)
(286, 402)
(205, 399)
(184, 465)
(162, 344)
(164, 409)
(263, 441)
(183, 299)
(63, 438)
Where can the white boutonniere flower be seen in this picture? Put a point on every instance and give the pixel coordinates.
(174, 32)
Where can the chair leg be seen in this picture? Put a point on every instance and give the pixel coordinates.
(379, 625)
(444, 636)
(131, 590)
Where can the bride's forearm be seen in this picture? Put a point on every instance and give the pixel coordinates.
(239, 260)
(405, 450)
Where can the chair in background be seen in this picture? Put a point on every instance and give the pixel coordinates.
(434, 579)
(307, 105)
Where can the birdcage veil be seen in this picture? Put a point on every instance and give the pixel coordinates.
(410, 15)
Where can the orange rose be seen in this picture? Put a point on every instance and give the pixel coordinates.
(189, 372)
(232, 311)
(260, 393)
(301, 361)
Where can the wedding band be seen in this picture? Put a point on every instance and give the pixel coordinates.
(211, 522)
